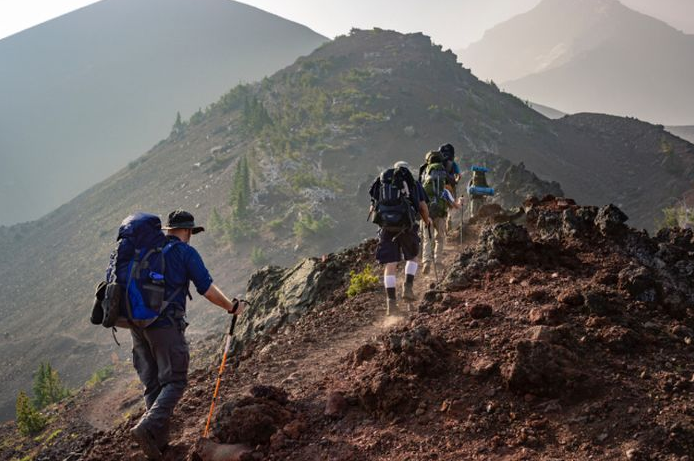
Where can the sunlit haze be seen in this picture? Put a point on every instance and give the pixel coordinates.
(452, 23)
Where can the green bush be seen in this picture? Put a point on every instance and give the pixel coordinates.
(236, 230)
(29, 419)
(307, 226)
(275, 224)
(100, 375)
(362, 281)
(258, 257)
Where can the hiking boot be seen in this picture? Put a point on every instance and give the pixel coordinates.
(407, 293)
(426, 268)
(146, 441)
(392, 307)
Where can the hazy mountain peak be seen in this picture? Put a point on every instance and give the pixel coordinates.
(592, 55)
(90, 91)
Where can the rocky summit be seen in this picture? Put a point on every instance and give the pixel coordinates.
(568, 336)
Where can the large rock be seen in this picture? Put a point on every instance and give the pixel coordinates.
(279, 295)
(544, 369)
(505, 242)
(610, 220)
(638, 282)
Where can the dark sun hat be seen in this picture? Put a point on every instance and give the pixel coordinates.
(180, 219)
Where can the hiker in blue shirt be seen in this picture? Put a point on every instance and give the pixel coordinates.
(160, 351)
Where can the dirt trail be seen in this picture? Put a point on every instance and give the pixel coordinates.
(300, 368)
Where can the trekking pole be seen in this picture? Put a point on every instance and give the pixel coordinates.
(227, 345)
(462, 218)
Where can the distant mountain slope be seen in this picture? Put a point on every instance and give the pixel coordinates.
(591, 56)
(84, 94)
(684, 132)
(313, 135)
(547, 111)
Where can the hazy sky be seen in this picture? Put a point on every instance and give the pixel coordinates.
(451, 23)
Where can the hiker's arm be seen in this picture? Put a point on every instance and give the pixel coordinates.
(215, 296)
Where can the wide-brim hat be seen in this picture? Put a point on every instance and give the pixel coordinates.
(180, 219)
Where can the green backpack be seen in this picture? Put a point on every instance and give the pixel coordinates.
(434, 182)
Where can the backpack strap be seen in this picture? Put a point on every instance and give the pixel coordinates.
(171, 244)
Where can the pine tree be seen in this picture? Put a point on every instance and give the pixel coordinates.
(240, 192)
(29, 420)
(48, 387)
(215, 221)
(178, 126)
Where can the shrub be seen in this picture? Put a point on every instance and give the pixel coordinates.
(275, 224)
(258, 257)
(236, 230)
(307, 226)
(362, 281)
(29, 420)
(100, 375)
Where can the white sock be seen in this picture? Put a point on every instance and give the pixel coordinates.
(411, 268)
(389, 281)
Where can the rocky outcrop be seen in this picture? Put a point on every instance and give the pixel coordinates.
(280, 296)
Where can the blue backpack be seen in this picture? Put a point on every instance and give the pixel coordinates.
(135, 279)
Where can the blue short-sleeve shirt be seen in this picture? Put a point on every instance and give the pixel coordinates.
(184, 265)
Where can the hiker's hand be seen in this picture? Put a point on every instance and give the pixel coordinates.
(237, 307)
(460, 201)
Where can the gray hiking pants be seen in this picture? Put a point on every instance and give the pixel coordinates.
(161, 357)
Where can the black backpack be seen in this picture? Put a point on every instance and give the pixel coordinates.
(390, 196)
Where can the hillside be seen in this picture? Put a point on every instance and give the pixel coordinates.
(591, 56)
(566, 338)
(88, 92)
(311, 137)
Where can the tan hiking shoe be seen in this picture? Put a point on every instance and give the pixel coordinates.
(407, 293)
(426, 268)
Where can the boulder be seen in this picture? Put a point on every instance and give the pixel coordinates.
(610, 220)
(638, 282)
(543, 369)
(505, 242)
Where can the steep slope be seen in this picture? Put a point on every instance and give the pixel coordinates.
(591, 56)
(86, 93)
(565, 339)
(310, 140)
